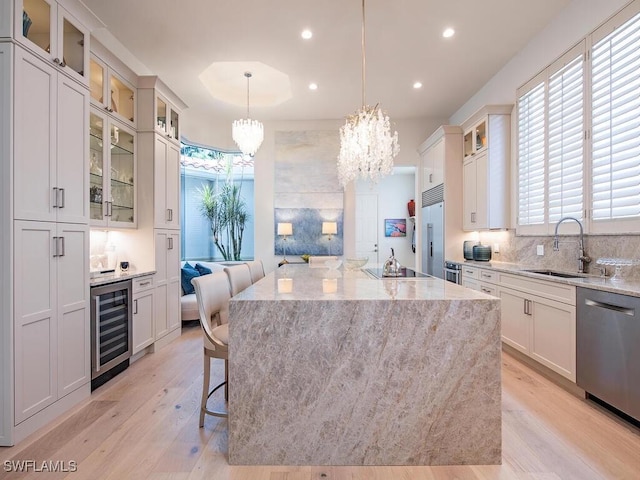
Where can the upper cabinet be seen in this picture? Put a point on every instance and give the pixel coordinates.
(486, 167)
(47, 29)
(167, 119)
(159, 109)
(112, 167)
(111, 92)
(50, 143)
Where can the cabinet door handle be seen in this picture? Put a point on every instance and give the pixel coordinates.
(473, 217)
(485, 290)
(55, 197)
(171, 214)
(61, 193)
(135, 307)
(109, 209)
(524, 303)
(144, 284)
(61, 241)
(431, 178)
(55, 247)
(170, 247)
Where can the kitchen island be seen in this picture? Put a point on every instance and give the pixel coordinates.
(333, 367)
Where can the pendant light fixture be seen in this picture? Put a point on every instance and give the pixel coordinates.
(367, 146)
(248, 134)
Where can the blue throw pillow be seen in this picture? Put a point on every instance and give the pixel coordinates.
(186, 274)
(202, 269)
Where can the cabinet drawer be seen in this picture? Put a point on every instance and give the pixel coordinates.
(141, 284)
(470, 272)
(489, 289)
(545, 289)
(488, 276)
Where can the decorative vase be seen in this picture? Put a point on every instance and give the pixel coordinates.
(26, 23)
(411, 206)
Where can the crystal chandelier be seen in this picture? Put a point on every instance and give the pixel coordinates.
(367, 146)
(248, 134)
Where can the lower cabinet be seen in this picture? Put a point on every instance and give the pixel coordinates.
(143, 313)
(167, 282)
(52, 323)
(541, 328)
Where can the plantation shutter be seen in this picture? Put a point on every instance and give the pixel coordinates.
(566, 139)
(615, 136)
(531, 158)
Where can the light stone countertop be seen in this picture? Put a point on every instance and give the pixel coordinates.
(117, 277)
(595, 282)
(335, 367)
(299, 282)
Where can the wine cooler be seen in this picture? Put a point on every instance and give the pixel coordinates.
(111, 336)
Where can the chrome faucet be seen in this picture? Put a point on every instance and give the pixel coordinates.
(583, 258)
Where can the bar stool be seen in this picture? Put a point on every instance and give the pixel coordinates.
(257, 270)
(239, 277)
(212, 294)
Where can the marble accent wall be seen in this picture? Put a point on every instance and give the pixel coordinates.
(522, 250)
(306, 178)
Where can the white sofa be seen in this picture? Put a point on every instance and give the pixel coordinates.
(188, 302)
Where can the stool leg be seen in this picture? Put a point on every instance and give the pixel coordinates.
(226, 380)
(205, 387)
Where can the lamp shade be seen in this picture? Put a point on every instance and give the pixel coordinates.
(285, 229)
(329, 228)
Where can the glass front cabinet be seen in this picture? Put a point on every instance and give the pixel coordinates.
(109, 91)
(50, 31)
(167, 119)
(112, 193)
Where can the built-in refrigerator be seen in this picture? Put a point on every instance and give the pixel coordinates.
(433, 232)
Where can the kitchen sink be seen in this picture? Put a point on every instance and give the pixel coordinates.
(553, 273)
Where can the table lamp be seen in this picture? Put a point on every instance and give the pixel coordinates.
(284, 229)
(329, 228)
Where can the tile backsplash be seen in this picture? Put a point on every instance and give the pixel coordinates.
(523, 250)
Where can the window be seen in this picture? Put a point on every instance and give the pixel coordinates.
(615, 135)
(224, 180)
(562, 174)
(551, 145)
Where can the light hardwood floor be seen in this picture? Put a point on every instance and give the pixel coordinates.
(144, 425)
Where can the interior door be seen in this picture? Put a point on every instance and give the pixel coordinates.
(367, 226)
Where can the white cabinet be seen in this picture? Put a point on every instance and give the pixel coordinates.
(167, 119)
(159, 149)
(50, 132)
(433, 165)
(167, 282)
(143, 312)
(539, 326)
(166, 187)
(51, 328)
(112, 165)
(47, 29)
(111, 92)
(486, 147)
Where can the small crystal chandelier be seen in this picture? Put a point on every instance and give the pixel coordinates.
(367, 147)
(248, 134)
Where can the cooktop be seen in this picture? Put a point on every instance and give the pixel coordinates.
(404, 273)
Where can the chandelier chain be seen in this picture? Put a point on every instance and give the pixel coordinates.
(364, 60)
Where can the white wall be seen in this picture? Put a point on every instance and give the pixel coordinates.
(202, 127)
(576, 21)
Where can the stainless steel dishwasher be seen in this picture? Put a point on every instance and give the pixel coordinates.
(608, 348)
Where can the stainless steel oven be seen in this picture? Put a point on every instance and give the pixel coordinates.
(453, 272)
(111, 333)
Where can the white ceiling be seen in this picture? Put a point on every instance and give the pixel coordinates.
(177, 40)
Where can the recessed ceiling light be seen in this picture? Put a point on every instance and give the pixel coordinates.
(417, 85)
(306, 34)
(448, 32)
(313, 86)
